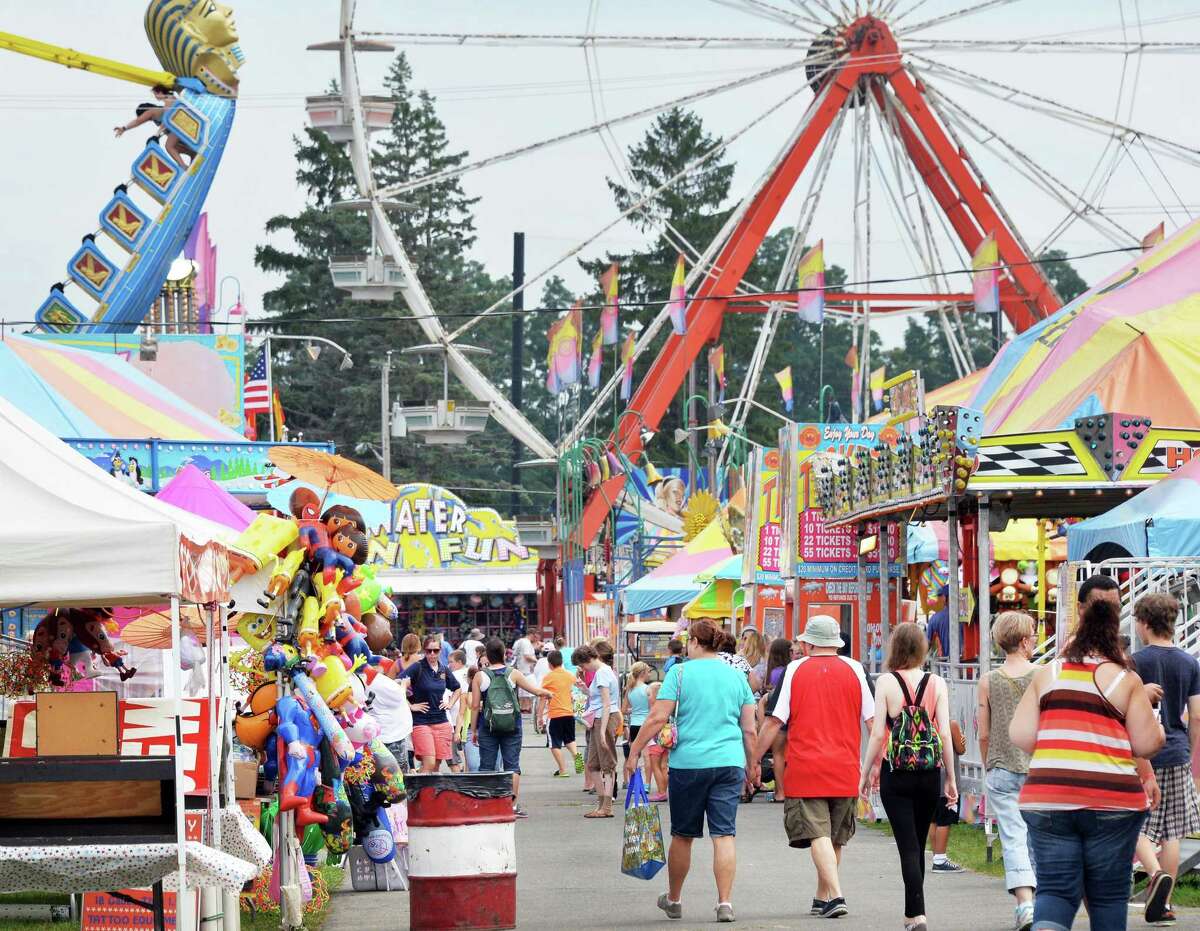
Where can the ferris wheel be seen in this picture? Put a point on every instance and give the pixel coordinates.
(886, 108)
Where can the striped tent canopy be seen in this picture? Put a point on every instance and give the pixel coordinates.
(675, 582)
(1128, 345)
(76, 394)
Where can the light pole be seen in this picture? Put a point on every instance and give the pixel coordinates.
(237, 302)
(385, 427)
(313, 348)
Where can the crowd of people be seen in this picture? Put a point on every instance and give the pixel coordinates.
(1087, 757)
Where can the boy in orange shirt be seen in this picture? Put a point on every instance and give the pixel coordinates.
(561, 712)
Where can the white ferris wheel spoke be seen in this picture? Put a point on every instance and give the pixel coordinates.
(951, 17)
(579, 40)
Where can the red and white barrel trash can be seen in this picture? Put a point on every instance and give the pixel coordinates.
(462, 851)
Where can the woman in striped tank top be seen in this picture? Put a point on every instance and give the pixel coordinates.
(1089, 725)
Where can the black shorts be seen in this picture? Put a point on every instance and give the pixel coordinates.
(562, 731)
(945, 815)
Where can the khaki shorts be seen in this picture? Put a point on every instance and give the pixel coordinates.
(806, 819)
(602, 746)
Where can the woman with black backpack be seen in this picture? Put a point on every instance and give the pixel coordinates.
(912, 717)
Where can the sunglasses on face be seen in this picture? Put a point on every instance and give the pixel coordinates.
(432, 650)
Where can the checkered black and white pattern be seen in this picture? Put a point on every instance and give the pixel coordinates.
(1029, 460)
(1157, 462)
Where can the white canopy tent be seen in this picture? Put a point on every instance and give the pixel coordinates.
(73, 535)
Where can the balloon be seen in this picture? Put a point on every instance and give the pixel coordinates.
(379, 844)
(314, 840)
(379, 632)
(297, 739)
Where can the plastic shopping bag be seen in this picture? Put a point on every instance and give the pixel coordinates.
(642, 854)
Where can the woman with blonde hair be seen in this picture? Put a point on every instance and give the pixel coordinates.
(1007, 764)
(753, 649)
(912, 718)
(635, 704)
(410, 651)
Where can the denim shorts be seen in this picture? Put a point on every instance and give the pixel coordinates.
(505, 746)
(712, 793)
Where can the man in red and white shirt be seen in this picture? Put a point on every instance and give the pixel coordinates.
(823, 700)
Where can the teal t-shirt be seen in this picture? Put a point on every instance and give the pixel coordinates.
(709, 716)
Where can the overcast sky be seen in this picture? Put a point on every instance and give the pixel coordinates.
(60, 161)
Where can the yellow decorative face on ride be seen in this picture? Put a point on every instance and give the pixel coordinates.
(196, 39)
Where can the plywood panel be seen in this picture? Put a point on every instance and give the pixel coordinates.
(53, 800)
(77, 724)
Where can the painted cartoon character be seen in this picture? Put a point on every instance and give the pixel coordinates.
(296, 751)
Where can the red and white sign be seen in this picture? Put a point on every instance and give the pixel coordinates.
(819, 543)
(770, 536)
(147, 728)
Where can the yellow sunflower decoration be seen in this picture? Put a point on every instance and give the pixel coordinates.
(701, 509)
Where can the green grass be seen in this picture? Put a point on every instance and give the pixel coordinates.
(262, 921)
(968, 846)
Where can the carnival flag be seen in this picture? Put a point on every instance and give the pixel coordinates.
(627, 352)
(716, 362)
(878, 377)
(810, 279)
(985, 266)
(608, 316)
(562, 358)
(1153, 238)
(677, 305)
(784, 378)
(596, 360)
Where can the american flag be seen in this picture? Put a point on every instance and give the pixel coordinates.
(256, 396)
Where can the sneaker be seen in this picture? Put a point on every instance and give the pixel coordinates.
(834, 908)
(1023, 916)
(725, 912)
(673, 909)
(1158, 896)
(578, 764)
(817, 905)
(519, 812)
(946, 866)
(562, 775)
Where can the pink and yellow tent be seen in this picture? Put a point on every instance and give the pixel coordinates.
(1128, 345)
(675, 581)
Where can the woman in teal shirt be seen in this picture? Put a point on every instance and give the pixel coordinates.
(636, 705)
(710, 763)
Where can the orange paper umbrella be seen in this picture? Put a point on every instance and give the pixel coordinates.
(153, 631)
(335, 474)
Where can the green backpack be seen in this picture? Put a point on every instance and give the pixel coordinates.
(914, 743)
(500, 709)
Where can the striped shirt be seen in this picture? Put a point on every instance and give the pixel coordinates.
(1082, 758)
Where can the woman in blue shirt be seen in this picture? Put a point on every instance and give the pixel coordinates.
(432, 737)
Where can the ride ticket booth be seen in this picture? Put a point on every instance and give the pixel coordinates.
(822, 569)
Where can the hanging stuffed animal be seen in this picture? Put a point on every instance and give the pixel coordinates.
(91, 629)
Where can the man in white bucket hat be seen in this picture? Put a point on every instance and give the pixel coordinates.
(823, 698)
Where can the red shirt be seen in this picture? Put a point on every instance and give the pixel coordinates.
(824, 700)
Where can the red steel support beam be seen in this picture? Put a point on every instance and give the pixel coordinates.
(656, 391)
(1028, 279)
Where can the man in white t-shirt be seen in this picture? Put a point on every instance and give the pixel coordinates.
(524, 659)
(389, 705)
(473, 646)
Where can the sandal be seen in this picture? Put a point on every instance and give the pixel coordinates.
(596, 813)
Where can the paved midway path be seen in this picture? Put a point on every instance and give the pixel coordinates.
(569, 876)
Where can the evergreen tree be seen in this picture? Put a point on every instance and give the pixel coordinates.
(1062, 274)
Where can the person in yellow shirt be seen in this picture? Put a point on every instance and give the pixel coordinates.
(561, 713)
